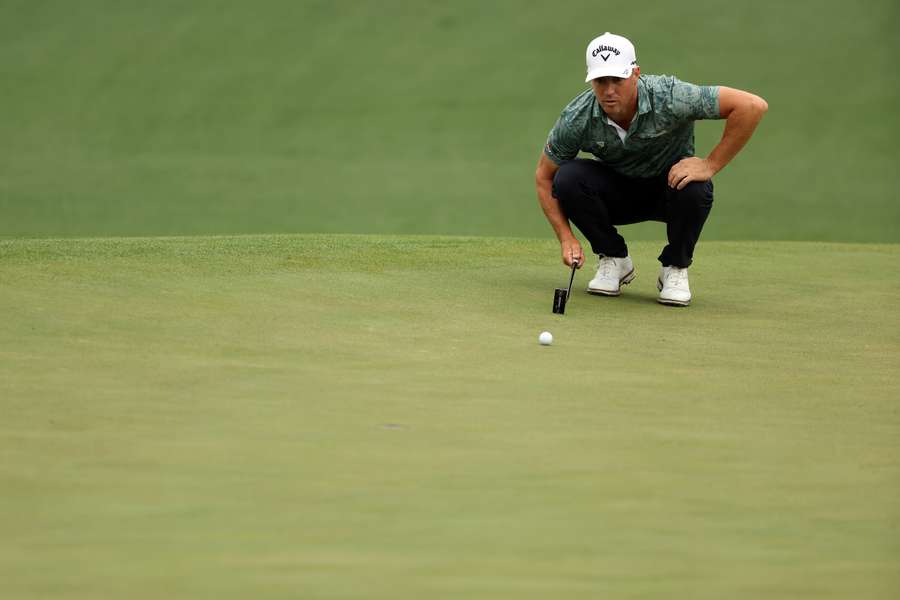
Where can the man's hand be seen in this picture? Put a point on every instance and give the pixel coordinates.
(571, 252)
(690, 169)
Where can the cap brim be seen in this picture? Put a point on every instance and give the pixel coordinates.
(608, 72)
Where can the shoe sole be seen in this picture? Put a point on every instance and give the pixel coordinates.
(624, 281)
(659, 286)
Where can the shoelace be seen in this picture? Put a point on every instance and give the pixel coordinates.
(606, 265)
(676, 277)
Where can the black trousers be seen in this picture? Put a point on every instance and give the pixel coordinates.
(596, 199)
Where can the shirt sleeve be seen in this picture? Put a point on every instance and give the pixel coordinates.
(695, 102)
(563, 142)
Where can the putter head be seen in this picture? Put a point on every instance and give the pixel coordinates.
(559, 301)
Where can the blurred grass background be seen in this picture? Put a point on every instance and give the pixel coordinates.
(136, 118)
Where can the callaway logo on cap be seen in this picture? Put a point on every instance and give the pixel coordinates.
(610, 55)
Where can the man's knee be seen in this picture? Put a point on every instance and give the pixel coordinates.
(697, 195)
(567, 181)
(575, 179)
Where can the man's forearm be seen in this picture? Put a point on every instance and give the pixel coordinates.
(738, 128)
(553, 212)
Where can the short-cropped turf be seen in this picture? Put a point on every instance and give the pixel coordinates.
(372, 417)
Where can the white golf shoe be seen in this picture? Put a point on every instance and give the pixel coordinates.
(673, 286)
(611, 274)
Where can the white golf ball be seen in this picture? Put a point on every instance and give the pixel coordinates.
(546, 338)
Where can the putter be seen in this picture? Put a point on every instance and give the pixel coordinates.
(561, 295)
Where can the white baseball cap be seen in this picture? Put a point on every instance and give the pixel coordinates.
(610, 55)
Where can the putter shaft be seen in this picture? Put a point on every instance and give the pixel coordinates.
(571, 278)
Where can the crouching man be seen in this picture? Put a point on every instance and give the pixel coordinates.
(640, 128)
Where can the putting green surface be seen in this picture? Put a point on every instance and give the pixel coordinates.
(372, 417)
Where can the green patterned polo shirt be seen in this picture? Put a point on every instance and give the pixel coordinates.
(661, 134)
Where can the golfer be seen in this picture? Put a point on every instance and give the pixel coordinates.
(640, 128)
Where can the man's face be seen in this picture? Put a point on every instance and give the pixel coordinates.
(617, 96)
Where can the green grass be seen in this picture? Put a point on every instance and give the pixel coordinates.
(157, 118)
(372, 417)
(347, 416)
